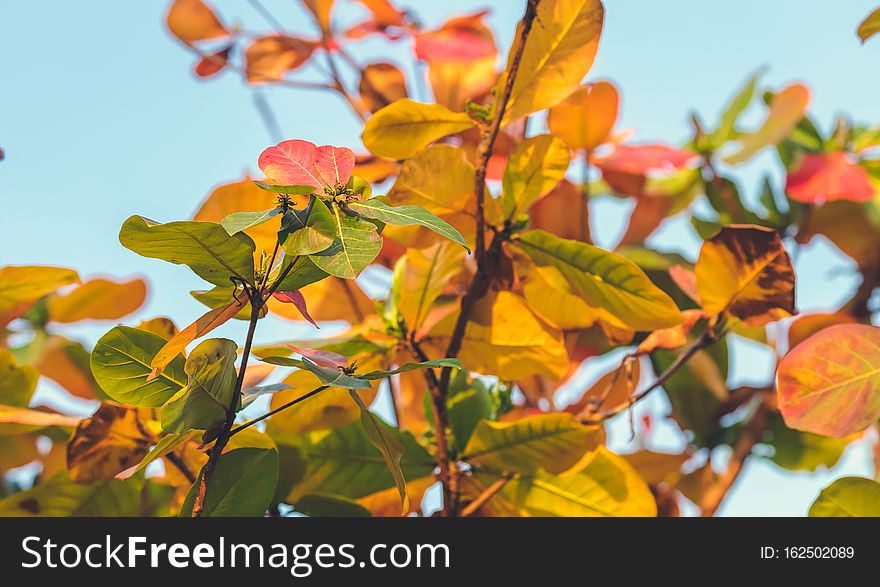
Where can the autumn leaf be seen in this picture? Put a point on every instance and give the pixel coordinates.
(585, 118)
(113, 439)
(270, 58)
(535, 167)
(426, 274)
(828, 177)
(192, 21)
(17, 382)
(870, 26)
(558, 53)
(381, 84)
(402, 129)
(212, 63)
(298, 162)
(806, 325)
(21, 286)
(296, 298)
(830, 383)
(787, 108)
(98, 299)
(744, 271)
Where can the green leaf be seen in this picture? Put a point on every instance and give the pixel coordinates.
(309, 233)
(205, 247)
(553, 442)
(121, 361)
(534, 168)
(372, 375)
(302, 190)
(240, 221)
(379, 435)
(467, 404)
(407, 216)
(335, 377)
(603, 486)
(211, 374)
(319, 505)
(61, 497)
(284, 361)
(727, 126)
(607, 281)
(357, 244)
(220, 297)
(166, 444)
(17, 382)
(243, 485)
(803, 451)
(848, 497)
(303, 273)
(342, 461)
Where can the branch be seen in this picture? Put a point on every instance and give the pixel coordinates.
(181, 466)
(289, 404)
(750, 436)
(490, 492)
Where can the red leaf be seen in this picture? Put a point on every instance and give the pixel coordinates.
(645, 159)
(829, 176)
(321, 358)
(299, 162)
(296, 298)
(461, 39)
(212, 64)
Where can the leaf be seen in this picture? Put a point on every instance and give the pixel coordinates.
(97, 299)
(121, 361)
(314, 235)
(602, 485)
(787, 109)
(296, 298)
(806, 325)
(211, 376)
(242, 485)
(425, 275)
(534, 168)
(321, 358)
(380, 85)
(803, 451)
(436, 363)
(407, 216)
(402, 129)
(166, 445)
(61, 497)
(334, 377)
(388, 444)
(607, 281)
(319, 505)
(440, 179)
(241, 221)
(21, 420)
(322, 10)
(553, 442)
(112, 440)
(611, 390)
(203, 325)
(467, 403)
(830, 383)
(303, 273)
(17, 382)
(344, 462)
(205, 247)
(357, 244)
(558, 53)
(848, 497)
(744, 271)
(727, 125)
(299, 162)
(268, 59)
(505, 338)
(849, 226)
(192, 21)
(825, 177)
(870, 26)
(220, 297)
(584, 120)
(20, 286)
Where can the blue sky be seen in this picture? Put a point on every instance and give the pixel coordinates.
(100, 118)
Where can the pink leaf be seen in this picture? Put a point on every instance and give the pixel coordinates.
(829, 176)
(292, 163)
(321, 358)
(644, 159)
(334, 164)
(296, 298)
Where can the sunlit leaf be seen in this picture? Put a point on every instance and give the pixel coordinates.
(121, 365)
(313, 235)
(98, 299)
(17, 382)
(61, 497)
(298, 162)
(296, 298)
(795, 450)
(585, 118)
(534, 168)
(334, 377)
(827, 177)
(436, 363)
(787, 108)
(241, 221)
(870, 26)
(113, 439)
(402, 129)
(357, 244)
(830, 383)
(407, 216)
(746, 272)
(20, 286)
(426, 273)
(242, 485)
(848, 497)
(192, 21)
(381, 84)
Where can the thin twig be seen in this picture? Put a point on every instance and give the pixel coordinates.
(289, 404)
(181, 466)
(490, 492)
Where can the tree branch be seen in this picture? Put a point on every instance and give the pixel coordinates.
(482, 499)
(289, 404)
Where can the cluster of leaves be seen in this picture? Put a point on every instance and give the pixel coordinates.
(497, 295)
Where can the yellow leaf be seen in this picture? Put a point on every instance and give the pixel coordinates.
(870, 26)
(322, 10)
(17, 382)
(112, 440)
(440, 179)
(402, 129)
(98, 299)
(745, 272)
(535, 167)
(559, 52)
(584, 120)
(456, 82)
(193, 20)
(787, 109)
(426, 273)
(21, 286)
(380, 85)
(548, 293)
(506, 338)
(67, 363)
(15, 420)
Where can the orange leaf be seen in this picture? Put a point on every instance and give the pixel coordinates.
(827, 177)
(563, 212)
(193, 20)
(268, 59)
(464, 38)
(672, 337)
(213, 63)
(98, 299)
(381, 84)
(805, 326)
(112, 440)
(787, 109)
(584, 120)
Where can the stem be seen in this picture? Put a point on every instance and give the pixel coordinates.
(312, 393)
(181, 466)
(482, 499)
(583, 209)
(751, 435)
(223, 438)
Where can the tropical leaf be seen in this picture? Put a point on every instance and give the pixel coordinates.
(402, 129)
(407, 216)
(242, 485)
(241, 221)
(61, 497)
(357, 244)
(311, 232)
(436, 363)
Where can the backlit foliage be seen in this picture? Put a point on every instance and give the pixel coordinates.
(476, 207)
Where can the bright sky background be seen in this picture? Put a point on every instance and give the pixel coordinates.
(100, 118)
